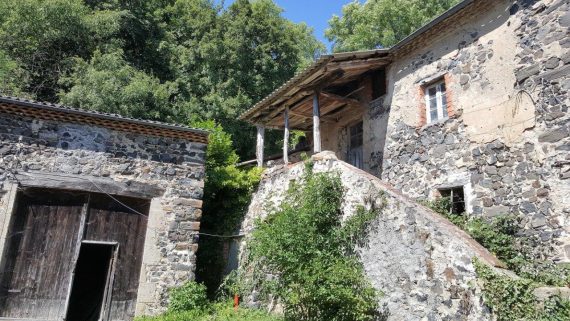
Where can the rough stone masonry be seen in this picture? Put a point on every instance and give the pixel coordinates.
(507, 139)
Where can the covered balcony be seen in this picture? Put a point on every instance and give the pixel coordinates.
(327, 101)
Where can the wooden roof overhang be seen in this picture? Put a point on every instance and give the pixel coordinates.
(47, 111)
(297, 94)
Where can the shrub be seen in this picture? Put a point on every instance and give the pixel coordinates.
(227, 193)
(306, 254)
(190, 296)
(514, 299)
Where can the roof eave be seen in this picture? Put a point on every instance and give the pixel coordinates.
(70, 110)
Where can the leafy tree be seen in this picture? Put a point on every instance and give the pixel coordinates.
(225, 63)
(12, 77)
(108, 83)
(381, 23)
(196, 59)
(42, 36)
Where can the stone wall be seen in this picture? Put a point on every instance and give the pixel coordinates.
(174, 166)
(506, 70)
(421, 262)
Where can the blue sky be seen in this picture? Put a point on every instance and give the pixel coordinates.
(316, 13)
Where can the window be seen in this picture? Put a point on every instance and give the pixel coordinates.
(436, 102)
(355, 145)
(456, 197)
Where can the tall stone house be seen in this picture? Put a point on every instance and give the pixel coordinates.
(472, 106)
(99, 213)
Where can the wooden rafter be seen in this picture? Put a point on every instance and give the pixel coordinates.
(341, 99)
(305, 116)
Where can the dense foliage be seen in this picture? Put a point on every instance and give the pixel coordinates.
(188, 297)
(304, 255)
(189, 303)
(227, 193)
(381, 23)
(509, 298)
(500, 235)
(170, 60)
(514, 299)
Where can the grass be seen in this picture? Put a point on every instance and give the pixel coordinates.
(216, 312)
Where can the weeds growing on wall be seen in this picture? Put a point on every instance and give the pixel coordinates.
(512, 299)
(303, 255)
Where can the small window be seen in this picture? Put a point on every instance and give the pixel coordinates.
(378, 84)
(457, 199)
(436, 102)
(356, 135)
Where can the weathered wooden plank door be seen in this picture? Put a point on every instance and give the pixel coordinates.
(43, 246)
(40, 251)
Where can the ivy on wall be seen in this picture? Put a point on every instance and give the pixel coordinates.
(512, 298)
(227, 193)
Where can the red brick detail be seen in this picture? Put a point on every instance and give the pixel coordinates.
(449, 95)
(422, 106)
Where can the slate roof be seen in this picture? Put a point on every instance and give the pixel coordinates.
(49, 111)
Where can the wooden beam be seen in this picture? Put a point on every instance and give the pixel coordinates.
(327, 78)
(259, 147)
(360, 64)
(88, 184)
(286, 137)
(323, 118)
(345, 100)
(277, 111)
(316, 123)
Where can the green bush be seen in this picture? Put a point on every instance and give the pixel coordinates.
(308, 254)
(190, 296)
(500, 236)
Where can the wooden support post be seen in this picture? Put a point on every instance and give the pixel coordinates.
(316, 123)
(259, 148)
(286, 137)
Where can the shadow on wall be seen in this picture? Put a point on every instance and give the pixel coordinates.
(464, 37)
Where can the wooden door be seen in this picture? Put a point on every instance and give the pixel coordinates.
(40, 252)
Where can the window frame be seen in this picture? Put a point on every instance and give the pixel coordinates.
(359, 163)
(442, 112)
(452, 198)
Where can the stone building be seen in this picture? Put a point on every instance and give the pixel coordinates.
(97, 201)
(474, 105)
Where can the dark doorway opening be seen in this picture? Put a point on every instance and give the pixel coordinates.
(90, 282)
